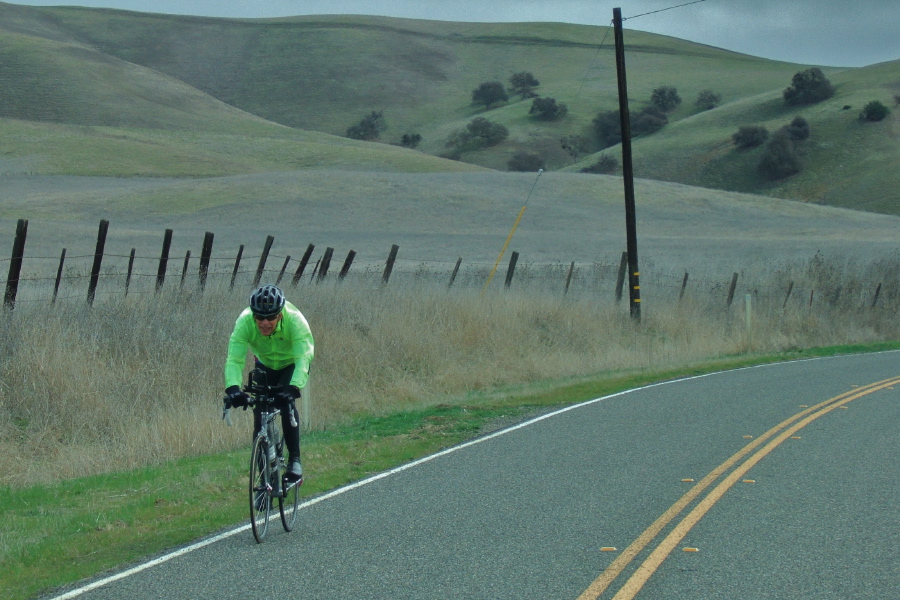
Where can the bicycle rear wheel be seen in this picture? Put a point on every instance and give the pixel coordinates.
(289, 503)
(260, 496)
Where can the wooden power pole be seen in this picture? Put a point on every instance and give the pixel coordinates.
(634, 287)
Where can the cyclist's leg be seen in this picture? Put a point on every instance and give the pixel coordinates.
(257, 422)
(291, 430)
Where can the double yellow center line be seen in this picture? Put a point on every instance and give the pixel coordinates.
(757, 450)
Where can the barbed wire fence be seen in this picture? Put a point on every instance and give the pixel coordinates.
(85, 277)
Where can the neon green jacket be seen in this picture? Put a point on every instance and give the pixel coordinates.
(290, 343)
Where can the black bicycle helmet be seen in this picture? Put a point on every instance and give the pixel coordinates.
(267, 301)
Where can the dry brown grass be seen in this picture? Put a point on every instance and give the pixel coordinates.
(138, 381)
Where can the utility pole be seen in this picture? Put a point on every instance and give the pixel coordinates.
(634, 287)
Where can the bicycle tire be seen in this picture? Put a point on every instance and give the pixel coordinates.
(289, 504)
(260, 490)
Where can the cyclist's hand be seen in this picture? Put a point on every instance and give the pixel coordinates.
(235, 398)
(286, 397)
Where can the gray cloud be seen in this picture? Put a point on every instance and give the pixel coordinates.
(821, 32)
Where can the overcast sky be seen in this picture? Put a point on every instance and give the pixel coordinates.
(816, 32)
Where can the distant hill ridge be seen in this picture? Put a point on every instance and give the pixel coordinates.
(97, 67)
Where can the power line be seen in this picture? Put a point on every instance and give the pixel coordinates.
(653, 12)
(593, 60)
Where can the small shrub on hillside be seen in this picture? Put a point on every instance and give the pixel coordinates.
(808, 87)
(779, 159)
(750, 136)
(369, 128)
(707, 100)
(548, 109)
(665, 98)
(575, 146)
(486, 132)
(489, 93)
(874, 111)
(606, 165)
(798, 129)
(523, 84)
(526, 161)
(479, 133)
(608, 127)
(410, 140)
(649, 120)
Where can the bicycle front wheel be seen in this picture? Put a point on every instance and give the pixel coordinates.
(260, 490)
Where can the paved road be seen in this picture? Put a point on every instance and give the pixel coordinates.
(794, 495)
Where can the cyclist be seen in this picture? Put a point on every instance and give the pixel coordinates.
(278, 335)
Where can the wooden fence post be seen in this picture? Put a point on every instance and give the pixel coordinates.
(326, 262)
(569, 278)
(513, 259)
(163, 260)
(788, 295)
(287, 259)
(98, 260)
(262, 261)
(187, 259)
(346, 268)
(130, 271)
(734, 279)
(620, 280)
(683, 286)
(389, 266)
(237, 263)
(455, 271)
(15, 264)
(62, 259)
(205, 256)
(877, 293)
(302, 267)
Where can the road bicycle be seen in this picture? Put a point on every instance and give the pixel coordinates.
(267, 464)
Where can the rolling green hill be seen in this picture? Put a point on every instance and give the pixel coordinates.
(277, 80)
(846, 162)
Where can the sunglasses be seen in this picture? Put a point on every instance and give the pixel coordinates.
(270, 318)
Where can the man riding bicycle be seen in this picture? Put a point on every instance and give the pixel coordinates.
(279, 337)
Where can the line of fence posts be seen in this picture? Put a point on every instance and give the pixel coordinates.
(319, 272)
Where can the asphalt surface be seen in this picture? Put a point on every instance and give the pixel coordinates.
(535, 512)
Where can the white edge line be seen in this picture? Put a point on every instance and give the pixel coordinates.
(347, 488)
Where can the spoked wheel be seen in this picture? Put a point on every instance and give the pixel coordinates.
(289, 503)
(260, 496)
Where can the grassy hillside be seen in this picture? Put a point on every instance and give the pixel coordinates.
(324, 73)
(57, 149)
(846, 162)
(239, 77)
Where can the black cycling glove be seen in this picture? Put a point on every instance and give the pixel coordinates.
(235, 398)
(289, 395)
